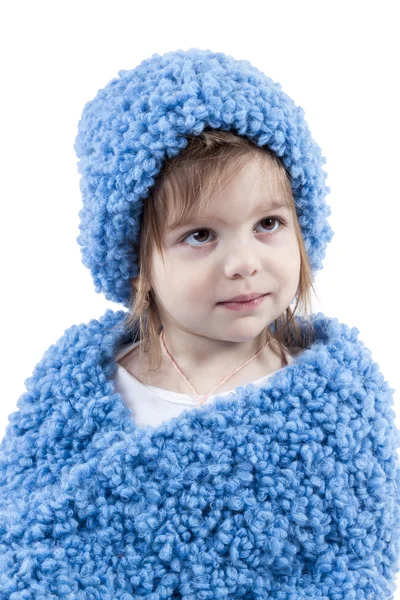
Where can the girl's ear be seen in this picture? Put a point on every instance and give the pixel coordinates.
(135, 284)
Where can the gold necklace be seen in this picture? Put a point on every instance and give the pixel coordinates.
(204, 398)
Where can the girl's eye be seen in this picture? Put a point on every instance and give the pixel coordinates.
(279, 220)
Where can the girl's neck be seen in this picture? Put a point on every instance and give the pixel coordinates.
(166, 377)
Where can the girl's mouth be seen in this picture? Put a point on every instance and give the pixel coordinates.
(244, 305)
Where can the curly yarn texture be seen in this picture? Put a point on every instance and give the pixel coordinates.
(141, 118)
(286, 492)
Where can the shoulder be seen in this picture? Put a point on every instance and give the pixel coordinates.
(128, 356)
(136, 362)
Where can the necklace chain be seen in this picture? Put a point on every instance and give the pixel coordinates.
(204, 398)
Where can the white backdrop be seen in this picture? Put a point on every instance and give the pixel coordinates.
(338, 60)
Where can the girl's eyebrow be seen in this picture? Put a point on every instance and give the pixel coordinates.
(264, 207)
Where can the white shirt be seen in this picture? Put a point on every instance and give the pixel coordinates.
(151, 405)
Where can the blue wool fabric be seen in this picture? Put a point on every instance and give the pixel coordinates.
(286, 492)
(141, 118)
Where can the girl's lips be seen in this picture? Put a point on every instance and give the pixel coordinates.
(244, 297)
(244, 305)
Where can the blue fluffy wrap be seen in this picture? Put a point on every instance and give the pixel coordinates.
(289, 491)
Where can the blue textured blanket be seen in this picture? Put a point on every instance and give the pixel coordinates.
(286, 492)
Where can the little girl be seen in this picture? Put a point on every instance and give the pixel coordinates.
(210, 442)
(257, 254)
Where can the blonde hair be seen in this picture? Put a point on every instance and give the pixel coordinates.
(182, 189)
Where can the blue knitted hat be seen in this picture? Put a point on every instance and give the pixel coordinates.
(136, 123)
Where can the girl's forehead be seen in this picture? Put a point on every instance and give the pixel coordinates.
(265, 186)
(209, 215)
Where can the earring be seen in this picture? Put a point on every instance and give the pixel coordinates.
(146, 302)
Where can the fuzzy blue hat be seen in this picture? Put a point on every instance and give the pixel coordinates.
(140, 120)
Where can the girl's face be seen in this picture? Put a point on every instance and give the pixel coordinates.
(239, 247)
